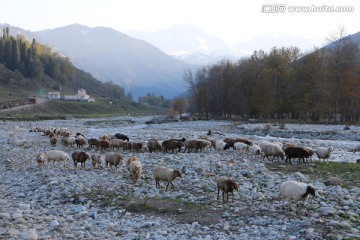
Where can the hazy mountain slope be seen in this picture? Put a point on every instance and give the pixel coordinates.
(113, 56)
(188, 43)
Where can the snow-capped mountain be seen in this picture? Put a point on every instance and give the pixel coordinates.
(194, 46)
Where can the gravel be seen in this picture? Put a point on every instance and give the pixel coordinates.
(61, 202)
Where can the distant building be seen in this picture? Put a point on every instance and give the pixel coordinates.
(81, 96)
(54, 95)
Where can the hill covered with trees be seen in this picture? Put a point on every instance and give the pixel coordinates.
(27, 67)
(283, 83)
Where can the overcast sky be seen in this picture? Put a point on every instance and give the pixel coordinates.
(230, 20)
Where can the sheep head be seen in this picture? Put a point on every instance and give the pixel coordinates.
(309, 190)
(177, 174)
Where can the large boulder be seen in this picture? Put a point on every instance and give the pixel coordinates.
(163, 119)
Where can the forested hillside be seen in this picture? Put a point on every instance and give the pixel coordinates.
(283, 83)
(32, 66)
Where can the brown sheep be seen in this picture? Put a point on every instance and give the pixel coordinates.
(136, 146)
(213, 143)
(51, 135)
(113, 159)
(47, 132)
(127, 146)
(196, 145)
(53, 141)
(153, 145)
(80, 156)
(172, 145)
(226, 185)
(80, 141)
(232, 141)
(243, 140)
(94, 142)
(104, 144)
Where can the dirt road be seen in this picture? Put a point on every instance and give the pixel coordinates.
(38, 102)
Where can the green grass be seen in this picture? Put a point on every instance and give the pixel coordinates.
(73, 109)
(347, 172)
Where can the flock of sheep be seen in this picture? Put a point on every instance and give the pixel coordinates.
(290, 190)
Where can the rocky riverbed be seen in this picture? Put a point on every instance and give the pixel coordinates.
(61, 202)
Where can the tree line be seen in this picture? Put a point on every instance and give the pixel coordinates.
(281, 84)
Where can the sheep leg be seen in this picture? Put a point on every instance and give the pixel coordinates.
(218, 193)
(173, 186)
(157, 184)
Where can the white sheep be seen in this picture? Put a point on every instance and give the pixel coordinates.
(135, 168)
(57, 156)
(96, 160)
(356, 148)
(220, 146)
(165, 174)
(40, 158)
(116, 143)
(297, 191)
(240, 146)
(323, 152)
(255, 149)
(20, 142)
(274, 150)
(71, 141)
(113, 159)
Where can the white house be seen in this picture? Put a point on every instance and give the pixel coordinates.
(81, 96)
(54, 95)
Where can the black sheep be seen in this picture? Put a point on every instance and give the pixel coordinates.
(296, 152)
(122, 137)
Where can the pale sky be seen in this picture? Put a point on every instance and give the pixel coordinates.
(233, 21)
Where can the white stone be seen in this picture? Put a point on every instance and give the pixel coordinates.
(54, 223)
(24, 206)
(4, 215)
(79, 209)
(29, 235)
